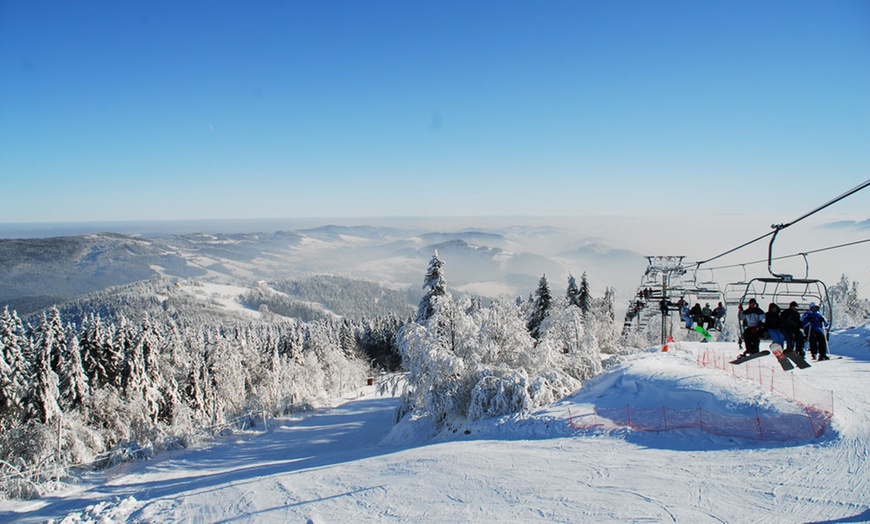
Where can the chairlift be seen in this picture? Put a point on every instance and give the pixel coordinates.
(734, 291)
(782, 289)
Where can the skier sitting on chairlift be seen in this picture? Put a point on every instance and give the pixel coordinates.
(719, 316)
(817, 325)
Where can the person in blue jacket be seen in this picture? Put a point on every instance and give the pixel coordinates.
(817, 325)
(684, 313)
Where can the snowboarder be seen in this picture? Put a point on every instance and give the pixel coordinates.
(697, 315)
(790, 320)
(817, 325)
(707, 314)
(684, 313)
(752, 320)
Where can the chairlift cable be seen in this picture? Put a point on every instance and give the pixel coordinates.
(778, 227)
(855, 189)
(848, 244)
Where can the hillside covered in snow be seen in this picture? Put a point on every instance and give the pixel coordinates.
(563, 463)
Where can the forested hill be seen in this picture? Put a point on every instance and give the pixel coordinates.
(36, 273)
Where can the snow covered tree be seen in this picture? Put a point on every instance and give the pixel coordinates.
(849, 310)
(72, 381)
(504, 338)
(15, 370)
(115, 353)
(434, 285)
(44, 393)
(93, 339)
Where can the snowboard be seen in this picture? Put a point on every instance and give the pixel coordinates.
(783, 360)
(704, 333)
(744, 358)
(798, 360)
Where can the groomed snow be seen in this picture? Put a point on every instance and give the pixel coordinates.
(349, 464)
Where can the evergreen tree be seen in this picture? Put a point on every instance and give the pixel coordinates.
(115, 353)
(44, 393)
(540, 308)
(572, 295)
(133, 374)
(434, 285)
(51, 328)
(73, 386)
(583, 297)
(92, 342)
(149, 383)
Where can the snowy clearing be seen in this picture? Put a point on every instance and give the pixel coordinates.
(348, 463)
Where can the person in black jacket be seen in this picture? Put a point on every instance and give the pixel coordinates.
(773, 325)
(752, 319)
(790, 319)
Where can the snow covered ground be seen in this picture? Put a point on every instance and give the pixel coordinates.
(349, 464)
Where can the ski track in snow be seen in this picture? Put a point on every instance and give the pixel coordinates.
(332, 466)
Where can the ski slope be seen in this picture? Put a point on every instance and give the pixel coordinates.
(349, 464)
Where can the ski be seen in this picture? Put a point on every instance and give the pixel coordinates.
(781, 358)
(743, 358)
(798, 359)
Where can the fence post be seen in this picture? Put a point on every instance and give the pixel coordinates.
(59, 448)
(628, 415)
(665, 417)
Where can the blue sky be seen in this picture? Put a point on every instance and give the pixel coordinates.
(195, 110)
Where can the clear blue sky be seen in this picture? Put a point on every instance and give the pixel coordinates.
(136, 110)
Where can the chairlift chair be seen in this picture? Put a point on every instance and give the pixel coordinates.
(782, 289)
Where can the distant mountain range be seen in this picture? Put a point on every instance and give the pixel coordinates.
(38, 272)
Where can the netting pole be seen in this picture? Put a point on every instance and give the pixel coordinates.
(665, 417)
(758, 422)
(812, 424)
(628, 414)
(701, 418)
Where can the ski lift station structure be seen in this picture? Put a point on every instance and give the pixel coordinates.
(665, 282)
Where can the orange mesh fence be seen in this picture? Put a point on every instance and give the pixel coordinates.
(783, 427)
(772, 377)
(817, 404)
